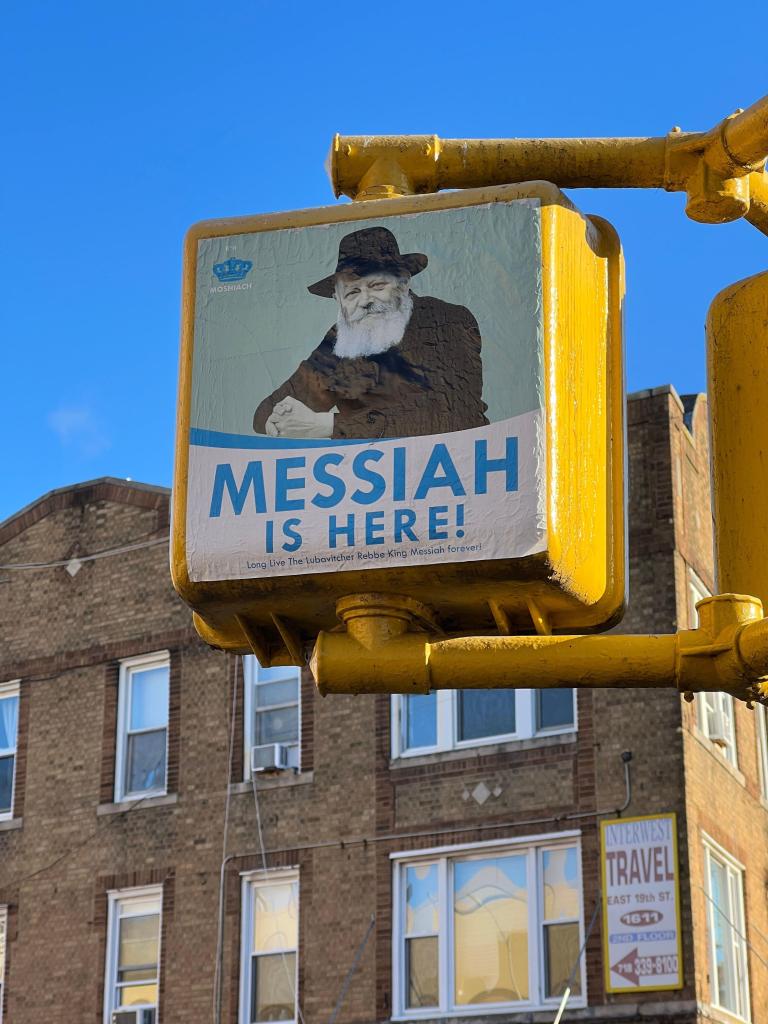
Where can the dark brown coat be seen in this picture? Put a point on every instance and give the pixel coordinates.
(431, 383)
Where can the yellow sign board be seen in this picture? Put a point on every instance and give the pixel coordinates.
(422, 396)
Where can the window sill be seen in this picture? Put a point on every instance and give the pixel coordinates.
(278, 780)
(721, 1016)
(9, 824)
(714, 750)
(138, 804)
(533, 1014)
(483, 750)
(577, 1011)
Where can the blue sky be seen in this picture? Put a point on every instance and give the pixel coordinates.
(125, 123)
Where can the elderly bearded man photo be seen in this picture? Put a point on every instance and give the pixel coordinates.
(394, 363)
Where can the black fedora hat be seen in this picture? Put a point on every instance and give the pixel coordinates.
(365, 252)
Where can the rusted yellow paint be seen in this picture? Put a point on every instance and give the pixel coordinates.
(579, 581)
(723, 173)
(737, 348)
(383, 651)
(393, 643)
(719, 169)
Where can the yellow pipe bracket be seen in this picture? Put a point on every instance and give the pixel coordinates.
(389, 647)
(718, 169)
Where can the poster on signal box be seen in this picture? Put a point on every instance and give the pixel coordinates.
(642, 949)
(368, 394)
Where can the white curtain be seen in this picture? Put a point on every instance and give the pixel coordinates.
(9, 718)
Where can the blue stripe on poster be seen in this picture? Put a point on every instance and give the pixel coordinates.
(217, 439)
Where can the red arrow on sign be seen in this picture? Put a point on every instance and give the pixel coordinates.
(627, 967)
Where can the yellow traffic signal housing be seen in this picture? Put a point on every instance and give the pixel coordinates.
(421, 397)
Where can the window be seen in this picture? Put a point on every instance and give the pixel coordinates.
(272, 706)
(450, 719)
(495, 927)
(761, 724)
(729, 981)
(715, 719)
(3, 943)
(714, 710)
(9, 726)
(697, 591)
(269, 945)
(131, 992)
(142, 727)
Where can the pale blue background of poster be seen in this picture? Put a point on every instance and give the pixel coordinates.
(248, 342)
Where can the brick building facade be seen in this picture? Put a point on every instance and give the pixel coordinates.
(131, 814)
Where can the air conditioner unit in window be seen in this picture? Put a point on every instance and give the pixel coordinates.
(269, 757)
(717, 729)
(143, 1015)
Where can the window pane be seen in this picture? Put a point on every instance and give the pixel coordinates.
(561, 892)
(724, 980)
(280, 726)
(561, 948)
(138, 944)
(275, 915)
(420, 720)
(6, 784)
(3, 927)
(285, 691)
(145, 766)
(272, 987)
(9, 721)
(710, 714)
(131, 975)
(271, 675)
(555, 707)
(137, 995)
(483, 713)
(422, 972)
(149, 698)
(491, 930)
(421, 900)
(761, 711)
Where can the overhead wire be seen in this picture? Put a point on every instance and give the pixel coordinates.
(577, 961)
(15, 883)
(733, 927)
(265, 868)
(106, 553)
(217, 976)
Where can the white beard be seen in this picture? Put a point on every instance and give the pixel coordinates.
(374, 333)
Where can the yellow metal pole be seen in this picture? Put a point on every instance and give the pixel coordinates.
(737, 365)
(432, 163)
(719, 168)
(387, 645)
(757, 214)
(745, 134)
(385, 650)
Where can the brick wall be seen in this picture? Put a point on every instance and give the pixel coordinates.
(350, 807)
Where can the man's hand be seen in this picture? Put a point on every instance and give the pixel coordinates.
(291, 418)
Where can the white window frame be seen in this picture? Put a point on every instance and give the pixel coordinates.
(534, 846)
(3, 954)
(733, 913)
(447, 713)
(761, 727)
(7, 690)
(712, 706)
(717, 707)
(117, 898)
(158, 659)
(697, 591)
(250, 881)
(250, 679)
